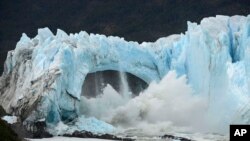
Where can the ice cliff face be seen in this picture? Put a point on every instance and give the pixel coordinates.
(43, 76)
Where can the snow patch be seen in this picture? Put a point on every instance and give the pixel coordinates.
(10, 119)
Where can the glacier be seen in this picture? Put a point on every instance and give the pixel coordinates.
(43, 76)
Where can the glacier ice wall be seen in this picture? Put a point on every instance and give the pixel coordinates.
(44, 75)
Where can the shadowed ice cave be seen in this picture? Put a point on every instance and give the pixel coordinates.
(95, 82)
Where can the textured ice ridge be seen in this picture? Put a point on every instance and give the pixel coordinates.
(44, 75)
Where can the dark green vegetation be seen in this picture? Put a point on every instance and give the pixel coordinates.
(6, 133)
(140, 20)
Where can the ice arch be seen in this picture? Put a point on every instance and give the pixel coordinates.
(106, 53)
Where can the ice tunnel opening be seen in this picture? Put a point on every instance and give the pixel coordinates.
(121, 82)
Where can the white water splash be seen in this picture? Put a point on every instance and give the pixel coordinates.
(169, 106)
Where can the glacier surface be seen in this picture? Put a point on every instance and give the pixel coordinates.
(43, 76)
